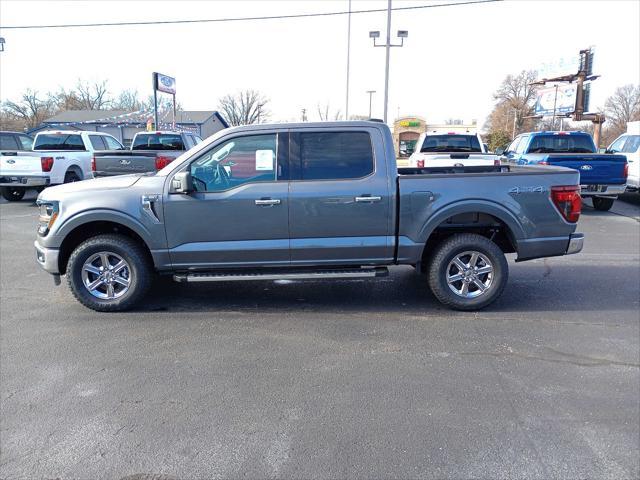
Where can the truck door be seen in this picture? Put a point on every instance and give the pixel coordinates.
(233, 220)
(340, 198)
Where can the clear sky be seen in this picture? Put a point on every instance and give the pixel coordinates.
(453, 60)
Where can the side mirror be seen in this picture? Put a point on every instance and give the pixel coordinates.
(182, 182)
(499, 150)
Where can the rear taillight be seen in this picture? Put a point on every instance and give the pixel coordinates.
(568, 201)
(543, 163)
(625, 172)
(496, 162)
(420, 163)
(46, 163)
(93, 163)
(162, 161)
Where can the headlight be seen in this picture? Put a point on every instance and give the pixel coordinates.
(48, 215)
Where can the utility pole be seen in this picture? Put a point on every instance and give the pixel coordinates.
(304, 114)
(515, 117)
(370, 92)
(346, 108)
(402, 34)
(555, 101)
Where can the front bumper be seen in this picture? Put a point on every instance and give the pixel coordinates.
(47, 258)
(602, 190)
(24, 181)
(576, 242)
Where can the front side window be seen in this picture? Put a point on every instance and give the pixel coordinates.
(522, 144)
(512, 148)
(235, 162)
(335, 155)
(626, 144)
(96, 142)
(59, 141)
(26, 142)
(112, 143)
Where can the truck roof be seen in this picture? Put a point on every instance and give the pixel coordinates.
(337, 124)
(551, 132)
(161, 132)
(69, 132)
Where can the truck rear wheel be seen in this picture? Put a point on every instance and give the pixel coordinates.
(109, 273)
(13, 194)
(603, 204)
(467, 272)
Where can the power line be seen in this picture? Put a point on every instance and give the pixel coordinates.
(243, 19)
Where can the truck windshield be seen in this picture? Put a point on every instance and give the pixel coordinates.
(451, 143)
(562, 144)
(58, 141)
(158, 141)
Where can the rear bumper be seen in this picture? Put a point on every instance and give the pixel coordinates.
(47, 258)
(24, 181)
(602, 190)
(549, 247)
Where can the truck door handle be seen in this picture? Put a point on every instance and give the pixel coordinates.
(266, 202)
(368, 199)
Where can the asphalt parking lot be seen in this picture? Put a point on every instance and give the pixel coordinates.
(360, 379)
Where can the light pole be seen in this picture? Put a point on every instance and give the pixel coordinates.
(402, 34)
(370, 92)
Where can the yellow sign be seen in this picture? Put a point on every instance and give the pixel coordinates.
(409, 123)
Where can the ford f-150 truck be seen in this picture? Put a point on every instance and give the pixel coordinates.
(628, 144)
(324, 200)
(57, 157)
(602, 176)
(150, 151)
(451, 149)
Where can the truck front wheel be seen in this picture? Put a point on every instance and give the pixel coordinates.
(467, 272)
(109, 273)
(603, 204)
(13, 194)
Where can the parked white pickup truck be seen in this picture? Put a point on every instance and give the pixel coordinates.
(451, 149)
(57, 157)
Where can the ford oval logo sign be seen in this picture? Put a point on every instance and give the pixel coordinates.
(125, 162)
(586, 167)
(11, 162)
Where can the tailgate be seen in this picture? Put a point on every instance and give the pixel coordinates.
(453, 159)
(595, 169)
(20, 164)
(124, 163)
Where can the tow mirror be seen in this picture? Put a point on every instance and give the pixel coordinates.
(182, 182)
(499, 150)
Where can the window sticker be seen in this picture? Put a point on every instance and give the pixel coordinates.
(264, 159)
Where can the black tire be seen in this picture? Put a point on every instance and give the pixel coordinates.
(13, 194)
(139, 272)
(440, 267)
(71, 177)
(602, 204)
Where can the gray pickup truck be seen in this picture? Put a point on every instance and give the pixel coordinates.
(150, 152)
(304, 201)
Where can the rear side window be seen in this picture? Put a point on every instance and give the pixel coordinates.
(335, 155)
(451, 143)
(8, 142)
(96, 142)
(112, 143)
(58, 141)
(158, 141)
(522, 144)
(561, 144)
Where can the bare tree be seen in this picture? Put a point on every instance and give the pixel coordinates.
(245, 107)
(128, 100)
(623, 106)
(517, 96)
(93, 96)
(325, 115)
(30, 110)
(64, 100)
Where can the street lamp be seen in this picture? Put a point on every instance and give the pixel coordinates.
(370, 92)
(1, 44)
(375, 34)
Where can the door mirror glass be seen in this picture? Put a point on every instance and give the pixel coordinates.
(182, 182)
(500, 150)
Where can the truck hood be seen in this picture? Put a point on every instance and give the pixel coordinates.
(107, 183)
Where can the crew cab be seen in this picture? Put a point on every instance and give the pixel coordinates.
(628, 144)
(323, 201)
(602, 176)
(452, 148)
(150, 151)
(15, 141)
(57, 157)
